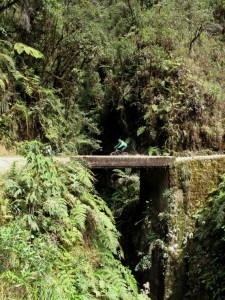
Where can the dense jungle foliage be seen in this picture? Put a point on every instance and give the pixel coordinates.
(58, 238)
(74, 73)
(78, 75)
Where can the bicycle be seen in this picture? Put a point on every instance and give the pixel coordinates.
(119, 152)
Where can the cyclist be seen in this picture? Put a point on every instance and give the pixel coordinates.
(48, 150)
(121, 145)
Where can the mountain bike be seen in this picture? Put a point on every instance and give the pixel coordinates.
(119, 152)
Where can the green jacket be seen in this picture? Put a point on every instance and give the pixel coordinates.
(121, 144)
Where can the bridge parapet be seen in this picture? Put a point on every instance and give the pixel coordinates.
(133, 161)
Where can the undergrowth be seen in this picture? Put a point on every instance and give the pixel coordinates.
(57, 236)
(205, 253)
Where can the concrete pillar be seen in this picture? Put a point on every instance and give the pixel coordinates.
(153, 183)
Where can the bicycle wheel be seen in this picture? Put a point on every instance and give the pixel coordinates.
(124, 153)
(114, 153)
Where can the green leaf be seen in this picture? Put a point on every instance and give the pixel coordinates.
(154, 151)
(20, 48)
(155, 108)
(141, 130)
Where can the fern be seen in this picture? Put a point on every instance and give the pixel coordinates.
(32, 224)
(62, 234)
(56, 206)
(141, 130)
(79, 215)
(7, 61)
(118, 281)
(20, 48)
(18, 114)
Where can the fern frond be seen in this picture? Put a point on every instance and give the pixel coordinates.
(31, 222)
(71, 236)
(20, 48)
(14, 171)
(129, 278)
(79, 215)
(7, 60)
(56, 206)
(109, 241)
(107, 234)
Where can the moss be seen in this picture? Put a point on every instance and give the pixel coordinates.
(192, 181)
(197, 179)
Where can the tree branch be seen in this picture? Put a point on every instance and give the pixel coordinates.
(131, 10)
(198, 32)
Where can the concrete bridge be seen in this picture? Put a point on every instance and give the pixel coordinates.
(107, 161)
(126, 161)
(138, 161)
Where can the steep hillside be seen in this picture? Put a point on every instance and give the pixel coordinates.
(154, 69)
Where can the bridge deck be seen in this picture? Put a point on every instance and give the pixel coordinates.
(134, 161)
(106, 161)
(139, 161)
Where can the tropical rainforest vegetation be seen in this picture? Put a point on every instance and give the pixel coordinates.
(78, 75)
(155, 69)
(58, 238)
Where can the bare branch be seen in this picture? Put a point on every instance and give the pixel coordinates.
(198, 32)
